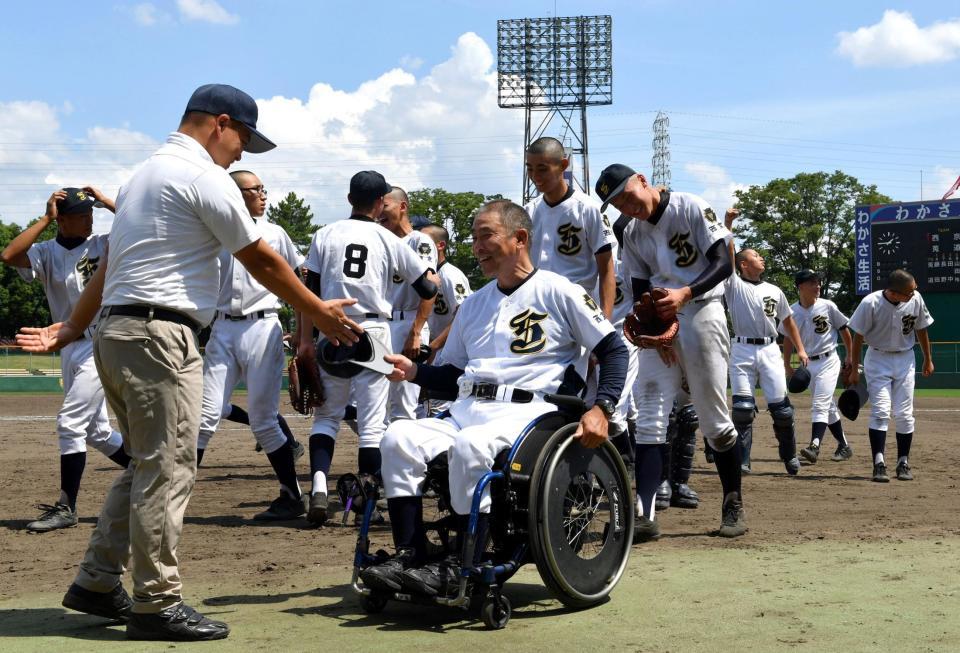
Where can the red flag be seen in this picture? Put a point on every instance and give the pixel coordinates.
(953, 189)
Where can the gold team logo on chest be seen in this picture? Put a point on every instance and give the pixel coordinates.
(86, 267)
(769, 306)
(570, 242)
(530, 336)
(440, 305)
(909, 321)
(686, 254)
(820, 324)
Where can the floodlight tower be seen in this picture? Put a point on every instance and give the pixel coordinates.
(554, 68)
(661, 150)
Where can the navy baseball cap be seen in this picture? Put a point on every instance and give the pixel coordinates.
(612, 181)
(216, 99)
(76, 201)
(419, 221)
(804, 276)
(368, 186)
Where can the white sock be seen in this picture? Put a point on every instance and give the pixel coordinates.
(901, 460)
(319, 483)
(815, 442)
(878, 459)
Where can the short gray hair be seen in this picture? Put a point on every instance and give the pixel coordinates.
(512, 216)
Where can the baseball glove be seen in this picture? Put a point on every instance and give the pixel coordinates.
(305, 387)
(645, 329)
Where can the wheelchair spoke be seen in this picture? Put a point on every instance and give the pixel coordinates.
(582, 523)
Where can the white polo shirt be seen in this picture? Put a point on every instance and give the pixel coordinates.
(240, 293)
(176, 213)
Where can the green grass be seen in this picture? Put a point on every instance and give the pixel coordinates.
(21, 361)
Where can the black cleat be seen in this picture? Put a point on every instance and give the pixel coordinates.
(843, 452)
(903, 472)
(880, 473)
(388, 576)
(684, 497)
(645, 530)
(733, 524)
(283, 508)
(114, 604)
(811, 453)
(792, 466)
(178, 623)
(435, 579)
(317, 514)
(664, 492)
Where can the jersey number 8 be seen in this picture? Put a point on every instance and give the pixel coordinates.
(355, 265)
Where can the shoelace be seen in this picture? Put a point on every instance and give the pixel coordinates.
(49, 511)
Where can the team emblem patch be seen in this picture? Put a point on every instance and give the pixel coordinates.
(86, 267)
(709, 215)
(769, 306)
(570, 242)
(820, 324)
(397, 278)
(606, 221)
(440, 305)
(909, 321)
(423, 249)
(530, 336)
(686, 254)
(459, 291)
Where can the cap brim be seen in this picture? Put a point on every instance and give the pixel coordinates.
(376, 362)
(258, 143)
(616, 191)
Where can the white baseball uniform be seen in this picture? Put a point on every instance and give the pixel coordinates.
(64, 274)
(405, 300)
(454, 288)
(755, 310)
(819, 325)
(531, 339)
(246, 343)
(567, 237)
(668, 250)
(358, 258)
(889, 364)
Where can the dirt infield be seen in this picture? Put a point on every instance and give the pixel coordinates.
(831, 562)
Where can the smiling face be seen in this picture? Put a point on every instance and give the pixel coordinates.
(495, 248)
(638, 199)
(394, 210)
(809, 290)
(546, 172)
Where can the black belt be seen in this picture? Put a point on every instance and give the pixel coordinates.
(363, 316)
(151, 313)
(489, 391)
(755, 341)
(259, 315)
(898, 351)
(817, 357)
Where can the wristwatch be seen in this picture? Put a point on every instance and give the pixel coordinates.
(606, 407)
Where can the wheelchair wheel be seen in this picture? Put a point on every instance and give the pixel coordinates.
(495, 611)
(373, 603)
(581, 518)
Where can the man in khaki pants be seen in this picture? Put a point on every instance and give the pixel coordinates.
(159, 288)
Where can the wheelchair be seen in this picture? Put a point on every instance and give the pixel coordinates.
(566, 508)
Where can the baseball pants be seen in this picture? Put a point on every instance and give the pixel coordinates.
(404, 396)
(82, 419)
(618, 422)
(702, 347)
(368, 388)
(252, 351)
(824, 373)
(890, 381)
(476, 431)
(750, 362)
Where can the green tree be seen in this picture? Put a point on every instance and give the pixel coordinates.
(454, 211)
(21, 303)
(806, 221)
(296, 218)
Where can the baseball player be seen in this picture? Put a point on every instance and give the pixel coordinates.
(818, 322)
(756, 307)
(64, 265)
(891, 321)
(571, 236)
(512, 341)
(356, 258)
(454, 289)
(408, 324)
(676, 242)
(246, 344)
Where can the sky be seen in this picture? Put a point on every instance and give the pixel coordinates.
(753, 91)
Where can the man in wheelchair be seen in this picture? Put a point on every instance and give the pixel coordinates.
(512, 342)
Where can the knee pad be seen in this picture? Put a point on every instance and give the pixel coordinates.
(672, 424)
(687, 421)
(744, 410)
(782, 413)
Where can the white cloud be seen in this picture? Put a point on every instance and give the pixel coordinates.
(898, 42)
(717, 187)
(145, 14)
(410, 62)
(208, 11)
(943, 180)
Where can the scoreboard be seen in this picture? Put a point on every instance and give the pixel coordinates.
(920, 237)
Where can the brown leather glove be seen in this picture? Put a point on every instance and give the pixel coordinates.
(645, 329)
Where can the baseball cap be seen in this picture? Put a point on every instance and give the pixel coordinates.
(368, 186)
(76, 201)
(419, 221)
(216, 99)
(346, 361)
(612, 181)
(799, 380)
(804, 275)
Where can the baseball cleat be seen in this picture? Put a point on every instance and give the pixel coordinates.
(684, 497)
(376, 518)
(317, 514)
(733, 524)
(59, 515)
(903, 472)
(811, 453)
(283, 508)
(433, 579)
(115, 604)
(388, 576)
(664, 492)
(645, 530)
(298, 450)
(792, 466)
(843, 452)
(880, 473)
